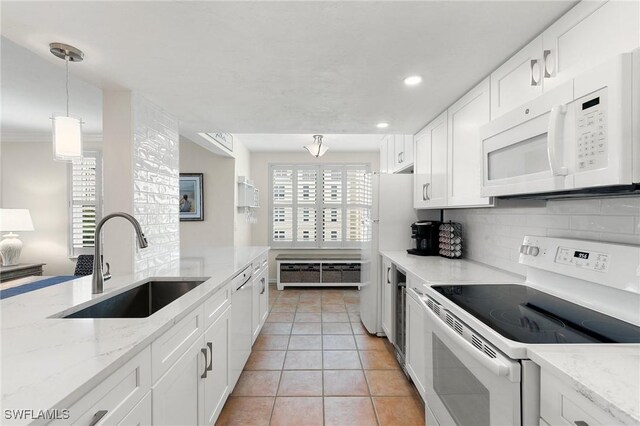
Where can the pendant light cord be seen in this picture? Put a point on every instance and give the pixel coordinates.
(66, 61)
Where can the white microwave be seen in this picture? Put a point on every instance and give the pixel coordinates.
(582, 136)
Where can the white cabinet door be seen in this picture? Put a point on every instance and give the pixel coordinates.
(255, 309)
(402, 152)
(384, 156)
(416, 358)
(518, 80)
(588, 34)
(387, 299)
(464, 149)
(430, 169)
(216, 384)
(264, 295)
(140, 415)
(178, 396)
(422, 169)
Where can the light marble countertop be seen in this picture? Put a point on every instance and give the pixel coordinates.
(50, 362)
(435, 270)
(607, 375)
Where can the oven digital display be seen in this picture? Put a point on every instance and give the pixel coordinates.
(581, 254)
(592, 102)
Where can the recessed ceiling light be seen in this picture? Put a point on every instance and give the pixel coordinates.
(413, 80)
(382, 125)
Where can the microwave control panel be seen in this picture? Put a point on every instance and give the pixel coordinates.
(591, 131)
(583, 259)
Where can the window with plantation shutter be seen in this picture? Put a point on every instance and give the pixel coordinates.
(85, 176)
(320, 206)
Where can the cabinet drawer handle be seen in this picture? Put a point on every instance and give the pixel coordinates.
(210, 367)
(425, 188)
(388, 275)
(204, 373)
(97, 417)
(264, 287)
(581, 423)
(535, 72)
(548, 64)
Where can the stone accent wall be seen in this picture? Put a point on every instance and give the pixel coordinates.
(156, 183)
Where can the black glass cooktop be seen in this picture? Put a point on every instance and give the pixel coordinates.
(527, 315)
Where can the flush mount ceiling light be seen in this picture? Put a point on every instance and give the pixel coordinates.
(382, 125)
(413, 80)
(67, 128)
(317, 149)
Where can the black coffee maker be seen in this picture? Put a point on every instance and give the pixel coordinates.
(425, 233)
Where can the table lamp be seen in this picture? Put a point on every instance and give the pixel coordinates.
(13, 220)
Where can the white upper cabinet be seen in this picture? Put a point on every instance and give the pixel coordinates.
(588, 34)
(464, 154)
(384, 156)
(430, 165)
(518, 80)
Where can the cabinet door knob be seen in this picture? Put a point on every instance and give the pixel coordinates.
(204, 373)
(535, 72)
(210, 367)
(97, 417)
(549, 66)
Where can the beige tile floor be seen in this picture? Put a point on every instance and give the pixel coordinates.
(315, 364)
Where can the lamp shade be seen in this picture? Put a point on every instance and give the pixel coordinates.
(317, 148)
(15, 220)
(67, 137)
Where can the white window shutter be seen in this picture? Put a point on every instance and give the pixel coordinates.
(84, 203)
(320, 206)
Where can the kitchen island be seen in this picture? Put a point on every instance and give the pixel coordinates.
(51, 363)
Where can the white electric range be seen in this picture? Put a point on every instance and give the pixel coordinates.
(477, 335)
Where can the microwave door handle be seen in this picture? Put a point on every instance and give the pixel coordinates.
(495, 365)
(554, 139)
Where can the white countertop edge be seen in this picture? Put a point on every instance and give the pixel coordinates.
(539, 354)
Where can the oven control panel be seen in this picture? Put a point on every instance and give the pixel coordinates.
(591, 131)
(583, 259)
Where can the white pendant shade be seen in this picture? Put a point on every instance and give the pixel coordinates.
(317, 148)
(67, 138)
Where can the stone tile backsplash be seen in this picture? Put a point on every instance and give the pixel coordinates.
(156, 177)
(493, 235)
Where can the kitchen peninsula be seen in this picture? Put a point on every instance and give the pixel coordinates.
(53, 363)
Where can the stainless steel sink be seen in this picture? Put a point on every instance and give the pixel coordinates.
(139, 302)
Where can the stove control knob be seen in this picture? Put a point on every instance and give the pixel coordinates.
(529, 250)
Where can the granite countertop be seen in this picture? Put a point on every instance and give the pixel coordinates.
(51, 362)
(607, 375)
(435, 270)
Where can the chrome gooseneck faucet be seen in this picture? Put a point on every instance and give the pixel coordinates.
(98, 277)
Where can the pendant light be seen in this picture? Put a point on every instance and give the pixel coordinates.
(67, 128)
(316, 148)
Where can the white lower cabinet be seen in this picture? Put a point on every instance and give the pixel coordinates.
(415, 355)
(260, 301)
(216, 384)
(387, 299)
(140, 415)
(178, 395)
(111, 401)
(561, 404)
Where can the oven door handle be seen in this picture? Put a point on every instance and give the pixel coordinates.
(495, 365)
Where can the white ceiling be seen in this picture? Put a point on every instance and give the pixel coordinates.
(284, 67)
(296, 142)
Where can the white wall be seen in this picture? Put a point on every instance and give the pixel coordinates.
(218, 185)
(242, 228)
(32, 180)
(493, 235)
(260, 174)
